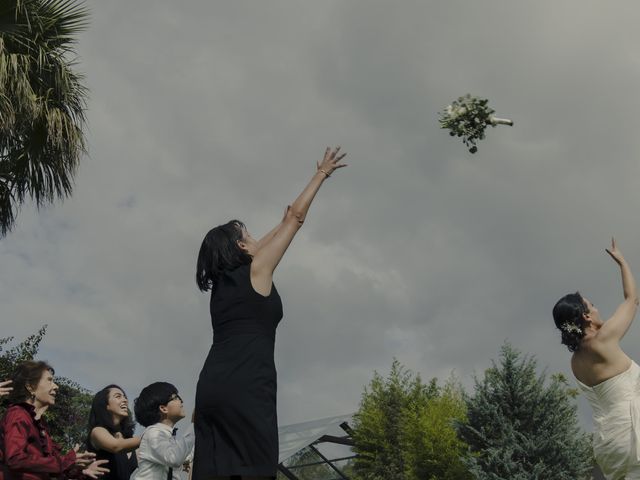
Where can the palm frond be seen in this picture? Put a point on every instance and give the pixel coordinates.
(42, 102)
(59, 23)
(7, 214)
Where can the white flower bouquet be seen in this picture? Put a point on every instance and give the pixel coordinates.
(468, 117)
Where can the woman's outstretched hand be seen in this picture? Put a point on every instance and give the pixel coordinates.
(5, 389)
(96, 469)
(331, 161)
(615, 252)
(83, 458)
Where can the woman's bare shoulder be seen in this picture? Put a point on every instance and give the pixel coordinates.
(594, 362)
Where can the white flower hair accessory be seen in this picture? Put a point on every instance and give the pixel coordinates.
(570, 328)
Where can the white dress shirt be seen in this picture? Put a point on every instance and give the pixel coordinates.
(159, 451)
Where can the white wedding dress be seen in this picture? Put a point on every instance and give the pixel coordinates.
(616, 417)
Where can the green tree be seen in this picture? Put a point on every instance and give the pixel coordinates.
(521, 427)
(67, 419)
(432, 449)
(42, 102)
(403, 429)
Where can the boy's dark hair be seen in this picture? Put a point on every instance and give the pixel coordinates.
(147, 405)
(100, 417)
(27, 374)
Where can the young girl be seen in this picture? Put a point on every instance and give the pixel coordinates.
(111, 432)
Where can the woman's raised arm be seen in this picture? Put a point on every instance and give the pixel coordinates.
(616, 327)
(270, 252)
(268, 236)
(102, 439)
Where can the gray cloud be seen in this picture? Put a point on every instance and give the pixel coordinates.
(206, 111)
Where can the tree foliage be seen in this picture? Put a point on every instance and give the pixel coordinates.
(42, 102)
(403, 429)
(67, 419)
(433, 450)
(521, 427)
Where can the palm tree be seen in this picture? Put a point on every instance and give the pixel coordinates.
(42, 102)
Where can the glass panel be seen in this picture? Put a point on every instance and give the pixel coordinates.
(297, 436)
(317, 472)
(302, 457)
(334, 450)
(346, 467)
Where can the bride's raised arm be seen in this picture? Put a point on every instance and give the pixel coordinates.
(616, 327)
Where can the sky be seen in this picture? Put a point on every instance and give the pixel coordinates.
(200, 112)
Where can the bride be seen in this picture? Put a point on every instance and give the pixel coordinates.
(608, 377)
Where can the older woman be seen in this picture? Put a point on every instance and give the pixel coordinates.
(235, 417)
(608, 377)
(28, 450)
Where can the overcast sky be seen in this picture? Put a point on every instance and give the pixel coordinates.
(203, 111)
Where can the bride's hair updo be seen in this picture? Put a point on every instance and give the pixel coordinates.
(568, 317)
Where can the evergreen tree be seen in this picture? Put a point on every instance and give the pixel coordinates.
(521, 427)
(403, 429)
(67, 419)
(432, 449)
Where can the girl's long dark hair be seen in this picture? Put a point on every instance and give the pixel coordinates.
(100, 417)
(219, 252)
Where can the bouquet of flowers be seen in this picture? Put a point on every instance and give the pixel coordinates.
(468, 117)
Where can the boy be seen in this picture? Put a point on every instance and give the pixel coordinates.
(161, 453)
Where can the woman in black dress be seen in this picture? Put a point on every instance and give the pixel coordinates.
(111, 432)
(235, 418)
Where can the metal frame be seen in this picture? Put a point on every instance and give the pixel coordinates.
(289, 472)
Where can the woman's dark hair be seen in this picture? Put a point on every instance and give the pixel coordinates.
(568, 316)
(219, 252)
(100, 417)
(147, 405)
(27, 374)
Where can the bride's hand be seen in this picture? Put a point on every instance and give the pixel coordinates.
(615, 252)
(331, 161)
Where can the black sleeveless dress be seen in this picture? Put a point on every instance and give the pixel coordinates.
(236, 424)
(121, 465)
